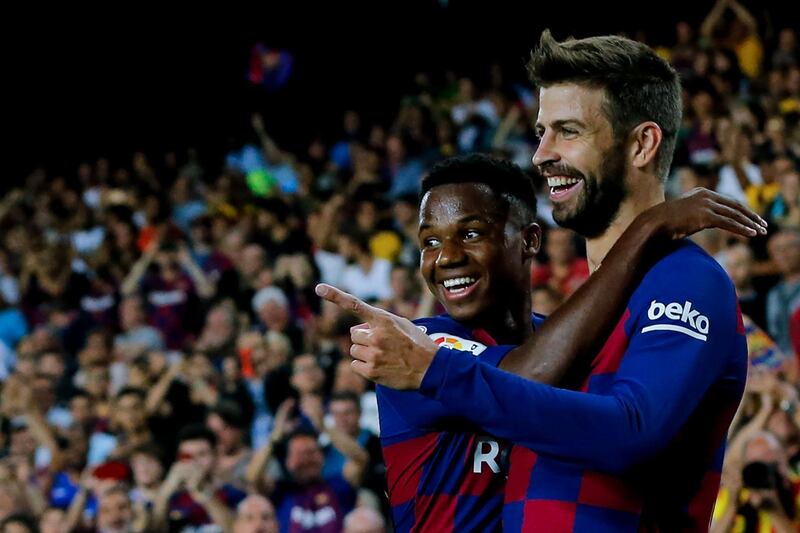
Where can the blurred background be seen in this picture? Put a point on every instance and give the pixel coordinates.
(176, 183)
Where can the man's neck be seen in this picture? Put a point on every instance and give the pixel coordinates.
(792, 278)
(509, 325)
(598, 247)
(365, 263)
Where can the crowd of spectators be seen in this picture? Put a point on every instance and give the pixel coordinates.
(166, 366)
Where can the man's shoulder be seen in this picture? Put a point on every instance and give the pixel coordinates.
(383, 264)
(686, 291)
(231, 495)
(339, 485)
(288, 488)
(686, 253)
(449, 333)
(688, 267)
(440, 324)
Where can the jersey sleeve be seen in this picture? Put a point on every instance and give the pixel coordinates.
(408, 414)
(682, 331)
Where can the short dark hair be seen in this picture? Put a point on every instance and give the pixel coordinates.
(301, 432)
(358, 238)
(23, 519)
(230, 413)
(131, 391)
(197, 432)
(150, 449)
(508, 181)
(81, 393)
(640, 86)
(347, 396)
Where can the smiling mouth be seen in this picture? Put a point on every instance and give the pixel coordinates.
(563, 187)
(457, 288)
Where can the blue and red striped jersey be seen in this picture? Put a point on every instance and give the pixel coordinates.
(640, 448)
(186, 515)
(168, 303)
(313, 508)
(444, 476)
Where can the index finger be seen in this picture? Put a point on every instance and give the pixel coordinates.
(349, 303)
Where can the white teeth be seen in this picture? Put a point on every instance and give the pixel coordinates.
(560, 181)
(448, 283)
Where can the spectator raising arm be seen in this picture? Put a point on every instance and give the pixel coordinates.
(357, 456)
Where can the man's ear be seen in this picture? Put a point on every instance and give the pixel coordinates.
(646, 139)
(531, 240)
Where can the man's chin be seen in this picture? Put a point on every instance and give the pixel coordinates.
(566, 216)
(577, 219)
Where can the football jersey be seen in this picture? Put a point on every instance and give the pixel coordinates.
(640, 448)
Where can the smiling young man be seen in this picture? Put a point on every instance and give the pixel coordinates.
(640, 446)
(444, 476)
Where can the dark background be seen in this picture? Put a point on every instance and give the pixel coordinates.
(83, 85)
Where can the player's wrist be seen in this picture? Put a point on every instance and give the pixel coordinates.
(434, 374)
(429, 354)
(652, 223)
(425, 359)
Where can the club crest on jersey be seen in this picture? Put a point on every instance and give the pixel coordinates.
(682, 319)
(446, 340)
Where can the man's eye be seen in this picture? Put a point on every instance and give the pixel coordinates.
(566, 132)
(472, 234)
(431, 242)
